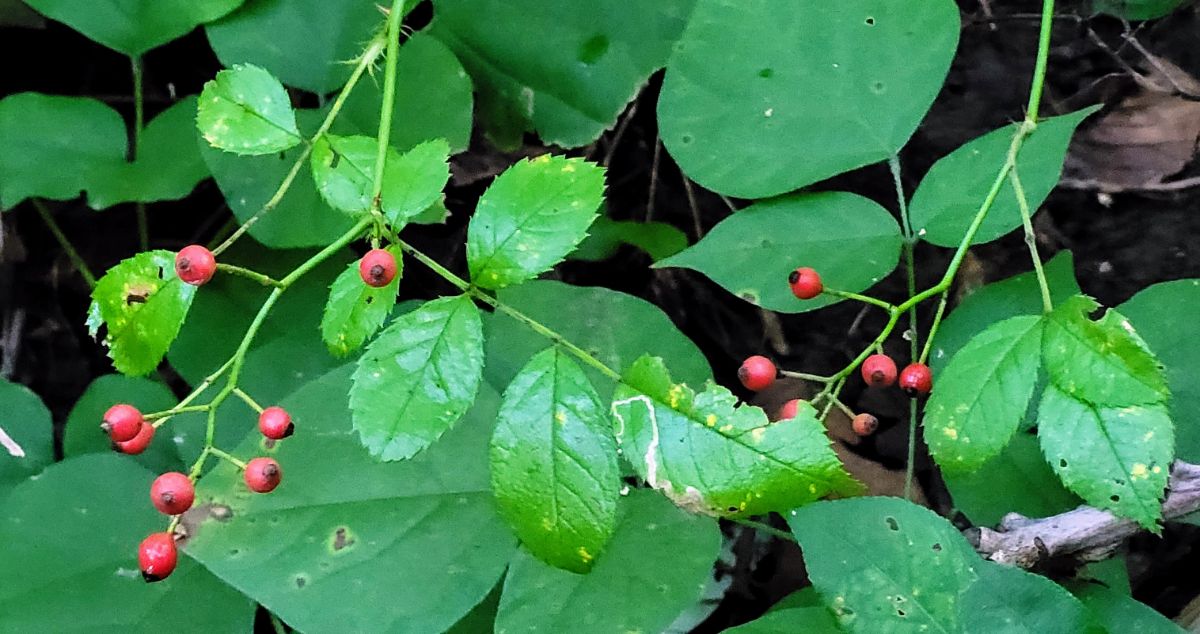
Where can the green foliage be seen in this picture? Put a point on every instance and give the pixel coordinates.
(1120, 613)
(800, 611)
(983, 394)
(418, 377)
(1137, 9)
(142, 304)
(763, 97)
(531, 217)
(133, 27)
(713, 456)
(658, 239)
(654, 568)
(850, 240)
(70, 542)
(1017, 481)
(27, 422)
(355, 311)
(564, 70)
(344, 171)
(84, 436)
(245, 110)
(413, 181)
(1007, 599)
(554, 463)
(949, 197)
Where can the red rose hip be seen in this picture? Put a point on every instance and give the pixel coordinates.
(195, 265)
(916, 379)
(138, 443)
(864, 424)
(157, 556)
(172, 493)
(122, 422)
(878, 370)
(275, 423)
(757, 373)
(805, 283)
(262, 475)
(377, 268)
(789, 409)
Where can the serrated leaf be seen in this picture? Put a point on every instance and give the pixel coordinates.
(1101, 362)
(244, 110)
(554, 463)
(850, 240)
(413, 181)
(1016, 481)
(133, 27)
(418, 378)
(342, 168)
(344, 171)
(531, 217)
(948, 198)
(743, 118)
(982, 396)
(885, 565)
(657, 563)
(1007, 599)
(26, 422)
(355, 310)
(1114, 458)
(712, 456)
(143, 304)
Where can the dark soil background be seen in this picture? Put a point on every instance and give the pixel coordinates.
(1130, 214)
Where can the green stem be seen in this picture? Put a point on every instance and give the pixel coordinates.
(374, 48)
(866, 299)
(937, 321)
(63, 242)
(764, 528)
(139, 118)
(178, 409)
(240, 393)
(910, 270)
(910, 463)
(395, 16)
(265, 280)
(227, 457)
(1031, 239)
(1038, 83)
(204, 385)
(816, 378)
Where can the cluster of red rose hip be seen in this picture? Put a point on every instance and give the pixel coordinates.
(878, 370)
(173, 493)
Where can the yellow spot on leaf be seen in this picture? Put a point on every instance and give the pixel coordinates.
(757, 434)
(568, 168)
(560, 418)
(711, 420)
(584, 555)
(1139, 472)
(951, 433)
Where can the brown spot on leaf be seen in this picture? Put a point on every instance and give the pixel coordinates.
(191, 521)
(341, 539)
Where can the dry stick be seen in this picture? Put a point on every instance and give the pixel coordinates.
(1085, 534)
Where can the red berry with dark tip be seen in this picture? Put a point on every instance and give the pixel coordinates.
(157, 556)
(805, 283)
(879, 370)
(377, 268)
(864, 424)
(789, 409)
(138, 443)
(262, 475)
(757, 373)
(195, 265)
(275, 423)
(172, 493)
(122, 422)
(916, 379)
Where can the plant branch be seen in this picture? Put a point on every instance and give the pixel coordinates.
(63, 242)
(1085, 534)
(395, 16)
(139, 119)
(265, 280)
(1031, 239)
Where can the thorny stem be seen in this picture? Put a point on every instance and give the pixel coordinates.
(63, 242)
(139, 118)
(395, 16)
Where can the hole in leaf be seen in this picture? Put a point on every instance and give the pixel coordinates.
(370, 298)
(937, 548)
(337, 158)
(870, 21)
(593, 49)
(901, 613)
(733, 509)
(892, 524)
(301, 581)
(1062, 463)
(766, 73)
(685, 139)
(1115, 498)
(282, 156)
(1119, 482)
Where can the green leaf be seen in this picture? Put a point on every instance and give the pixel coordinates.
(306, 43)
(143, 304)
(744, 117)
(1017, 295)
(884, 564)
(168, 165)
(1101, 362)
(983, 394)
(613, 327)
(531, 217)
(26, 422)
(434, 98)
(1120, 613)
(1114, 458)
(355, 310)
(554, 463)
(413, 181)
(408, 546)
(1164, 315)
(1017, 481)
(418, 377)
(245, 110)
(133, 27)
(811, 619)
(712, 456)
(850, 240)
(84, 436)
(301, 218)
(82, 575)
(947, 200)
(344, 171)
(343, 168)
(1007, 599)
(658, 239)
(1136, 9)
(577, 66)
(76, 136)
(655, 567)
